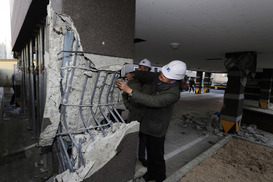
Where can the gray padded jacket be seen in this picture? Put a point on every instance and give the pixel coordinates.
(158, 104)
(135, 109)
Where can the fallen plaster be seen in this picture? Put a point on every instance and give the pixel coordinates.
(96, 154)
(207, 124)
(210, 124)
(58, 25)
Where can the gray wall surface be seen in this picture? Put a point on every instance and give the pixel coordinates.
(105, 27)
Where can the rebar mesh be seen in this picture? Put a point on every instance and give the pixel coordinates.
(89, 98)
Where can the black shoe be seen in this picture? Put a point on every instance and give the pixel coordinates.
(146, 177)
(143, 162)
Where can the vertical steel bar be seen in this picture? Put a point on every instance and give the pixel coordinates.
(99, 102)
(68, 46)
(66, 96)
(92, 99)
(107, 96)
(65, 99)
(60, 156)
(66, 159)
(112, 100)
(81, 114)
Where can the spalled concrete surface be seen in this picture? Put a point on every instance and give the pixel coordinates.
(101, 153)
(58, 26)
(115, 168)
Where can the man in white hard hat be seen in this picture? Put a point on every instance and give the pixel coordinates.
(144, 65)
(136, 109)
(159, 105)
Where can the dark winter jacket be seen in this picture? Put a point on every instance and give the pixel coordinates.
(135, 109)
(158, 105)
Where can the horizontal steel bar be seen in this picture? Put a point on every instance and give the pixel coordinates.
(81, 52)
(81, 130)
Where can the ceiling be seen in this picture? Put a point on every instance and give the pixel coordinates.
(205, 29)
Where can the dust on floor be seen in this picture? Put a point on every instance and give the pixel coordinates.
(239, 160)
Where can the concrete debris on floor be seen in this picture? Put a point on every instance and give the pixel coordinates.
(208, 124)
(250, 132)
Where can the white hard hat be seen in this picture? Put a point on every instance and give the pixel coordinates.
(145, 62)
(175, 70)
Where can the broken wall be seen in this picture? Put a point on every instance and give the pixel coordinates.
(58, 24)
(82, 61)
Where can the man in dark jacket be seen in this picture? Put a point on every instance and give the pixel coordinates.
(159, 105)
(192, 84)
(136, 109)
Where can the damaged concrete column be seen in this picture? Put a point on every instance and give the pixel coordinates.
(266, 87)
(87, 43)
(239, 66)
(198, 82)
(231, 113)
(207, 82)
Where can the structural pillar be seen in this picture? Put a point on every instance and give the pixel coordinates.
(232, 110)
(198, 82)
(207, 82)
(265, 91)
(240, 66)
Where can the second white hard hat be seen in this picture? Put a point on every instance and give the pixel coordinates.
(145, 62)
(175, 70)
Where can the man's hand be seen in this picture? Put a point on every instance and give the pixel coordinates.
(129, 76)
(123, 86)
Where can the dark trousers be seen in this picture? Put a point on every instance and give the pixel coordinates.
(156, 167)
(191, 88)
(142, 146)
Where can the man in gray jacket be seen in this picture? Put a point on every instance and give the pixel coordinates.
(159, 105)
(136, 109)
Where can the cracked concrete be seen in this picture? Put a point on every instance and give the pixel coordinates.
(73, 84)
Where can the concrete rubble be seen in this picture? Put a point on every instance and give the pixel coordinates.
(251, 132)
(206, 124)
(98, 153)
(210, 124)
